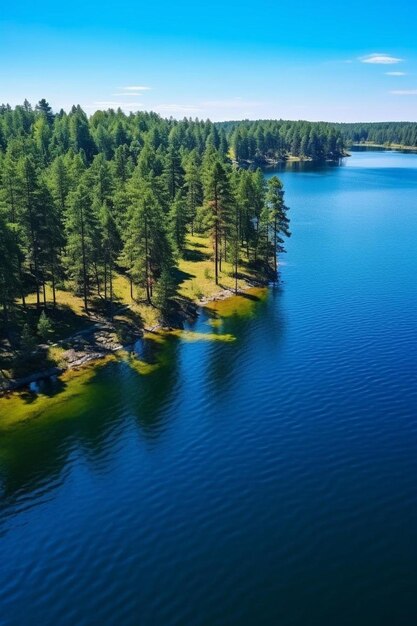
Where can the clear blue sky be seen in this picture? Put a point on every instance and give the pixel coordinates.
(354, 61)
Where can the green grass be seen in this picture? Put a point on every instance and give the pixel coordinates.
(196, 271)
(194, 275)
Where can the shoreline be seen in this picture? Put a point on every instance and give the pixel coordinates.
(289, 158)
(91, 346)
(395, 147)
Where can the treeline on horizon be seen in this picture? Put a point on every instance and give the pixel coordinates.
(262, 140)
(82, 198)
(273, 140)
(399, 133)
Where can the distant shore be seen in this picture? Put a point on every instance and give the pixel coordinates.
(391, 146)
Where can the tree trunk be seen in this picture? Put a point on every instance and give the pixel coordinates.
(275, 245)
(97, 279)
(84, 262)
(111, 288)
(147, 272)
(22, 290)
(53, 287)
(216, 239)
(34, 241)
(105, 280)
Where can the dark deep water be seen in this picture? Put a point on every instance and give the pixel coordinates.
(267, 480)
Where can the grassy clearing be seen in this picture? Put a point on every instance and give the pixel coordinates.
(195, 279)
(196, 271)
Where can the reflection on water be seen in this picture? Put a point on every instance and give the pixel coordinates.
(258, 468)
(77, 406)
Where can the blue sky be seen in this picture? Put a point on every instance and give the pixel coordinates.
(320, 60)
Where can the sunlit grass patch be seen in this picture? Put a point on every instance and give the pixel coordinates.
(197, 271)
(241, 305)
(64, 298)
(188, 335)
(215, 322)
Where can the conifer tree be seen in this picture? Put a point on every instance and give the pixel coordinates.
(80, 230)
(217, 204)
(194, 188)
(275, 222)
(177, 222)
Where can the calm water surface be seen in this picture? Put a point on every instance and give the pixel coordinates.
(264, 475)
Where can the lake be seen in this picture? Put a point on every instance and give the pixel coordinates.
(259, 470)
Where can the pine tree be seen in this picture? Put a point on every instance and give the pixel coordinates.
(45, 110)
(31, 213)
(194, 189)
(165, 291)
(81, 231)
(173, 172)
(177, 222)
(147, 249)
(275, 221)
(217, 203)
(44, 327)
(111, 247)
(9, 274)
(59, 183)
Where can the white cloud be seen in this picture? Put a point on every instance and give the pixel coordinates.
(114, 104)
(227, 108)
(232, 108)
(137, 88)
(404, 92)
(395, 73)
(379, 58)
(215, 109)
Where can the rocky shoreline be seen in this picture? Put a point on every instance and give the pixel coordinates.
(101, 340)
(85, 347)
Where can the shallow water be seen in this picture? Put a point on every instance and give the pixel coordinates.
(260, 470)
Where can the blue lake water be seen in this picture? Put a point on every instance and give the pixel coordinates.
(265, 476)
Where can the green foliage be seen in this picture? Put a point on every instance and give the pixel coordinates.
(165, 291)
(264, 140)
(84, 199)
(274, 223)
(27, 340)
(44, 327)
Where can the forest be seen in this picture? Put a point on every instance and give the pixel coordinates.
(395, 133)
(86, 202)
(263, 141)
(270, 140)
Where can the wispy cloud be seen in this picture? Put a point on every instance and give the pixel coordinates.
(236, 107)
(404, 92)
(137, 88)
(114, 104)
(380, 58)
(128, 94)
(395, 73)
